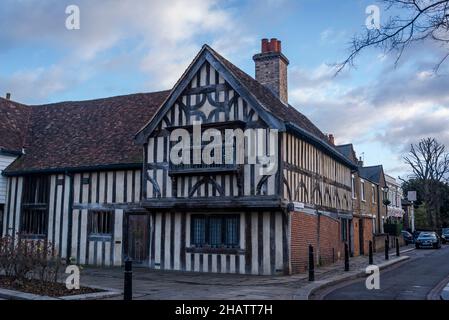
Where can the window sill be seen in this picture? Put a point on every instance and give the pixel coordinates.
(100, 237)
(215, 250)
(33, 236)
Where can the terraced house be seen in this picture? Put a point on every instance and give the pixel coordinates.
(368, 193)
(100, 181)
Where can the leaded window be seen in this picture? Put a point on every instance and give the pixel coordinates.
(215, 231)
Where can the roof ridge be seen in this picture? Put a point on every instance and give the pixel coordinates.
(14, 102)
(344, 145)
(99, 99)
(374, 166)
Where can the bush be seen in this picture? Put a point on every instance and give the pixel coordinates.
(393, 229)
(23, 259)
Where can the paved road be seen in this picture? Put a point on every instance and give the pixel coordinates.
(412, 280)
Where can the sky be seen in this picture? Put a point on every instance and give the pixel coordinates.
(129, 46)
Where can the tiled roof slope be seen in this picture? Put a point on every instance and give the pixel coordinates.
(13, 122)
(86, 133)
(373, 173)
(348, 151)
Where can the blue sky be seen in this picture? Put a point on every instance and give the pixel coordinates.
(133, 46)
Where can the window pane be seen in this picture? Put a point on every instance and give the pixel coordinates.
(34, 222)
(231, 233)
(199, 231)
(101, 222)
(215, 237)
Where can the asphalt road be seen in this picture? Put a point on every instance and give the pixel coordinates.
(412, 280)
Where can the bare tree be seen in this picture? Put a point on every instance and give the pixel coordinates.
(429, 163)
(420, 20)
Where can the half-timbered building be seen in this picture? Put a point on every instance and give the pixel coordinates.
(219, 174)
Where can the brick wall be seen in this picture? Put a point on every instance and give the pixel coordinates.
(367, 234)
(379, 242)
(304, 232)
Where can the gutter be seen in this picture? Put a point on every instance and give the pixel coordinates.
(13, 153)
(74, 169)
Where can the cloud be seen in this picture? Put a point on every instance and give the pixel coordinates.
(395, 108)
(160, 37)
(331, 36)
(40, 83)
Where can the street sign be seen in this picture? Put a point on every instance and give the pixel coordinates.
(411, 196)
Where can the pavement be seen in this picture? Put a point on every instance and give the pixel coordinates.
(166, 285)
(423, 277)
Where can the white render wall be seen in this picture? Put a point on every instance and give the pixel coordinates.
(4, 162)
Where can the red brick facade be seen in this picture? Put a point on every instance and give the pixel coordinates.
(304, 232)
(367, 225)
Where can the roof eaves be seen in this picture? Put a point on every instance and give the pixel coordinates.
(11, 173)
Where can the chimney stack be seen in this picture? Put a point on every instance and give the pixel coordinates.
(360, 162)
(331, 139)
(8, 96)
(271, 68)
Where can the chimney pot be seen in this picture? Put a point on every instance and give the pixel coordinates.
(274, 45)
(360, 162)
(8, 96)
(265, 46)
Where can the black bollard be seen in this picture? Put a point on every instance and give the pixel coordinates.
(397, 248)
(371, 253)
(387, 256)
(128, 290)
(311, 264)
(346, 257)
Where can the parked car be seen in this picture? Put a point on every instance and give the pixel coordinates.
(428, 240)
(445, 235)
(408, 237)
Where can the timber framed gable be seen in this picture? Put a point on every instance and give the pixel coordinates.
(210, 94)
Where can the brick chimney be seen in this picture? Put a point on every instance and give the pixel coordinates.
(271, 68)
(8, 96)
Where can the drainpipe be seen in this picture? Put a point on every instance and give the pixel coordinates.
(379, 217)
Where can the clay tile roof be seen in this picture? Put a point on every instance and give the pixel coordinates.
(83, 134)
(13, 123)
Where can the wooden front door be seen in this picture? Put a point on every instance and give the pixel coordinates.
(137, 236)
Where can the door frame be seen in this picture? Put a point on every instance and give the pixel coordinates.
(126, 215)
